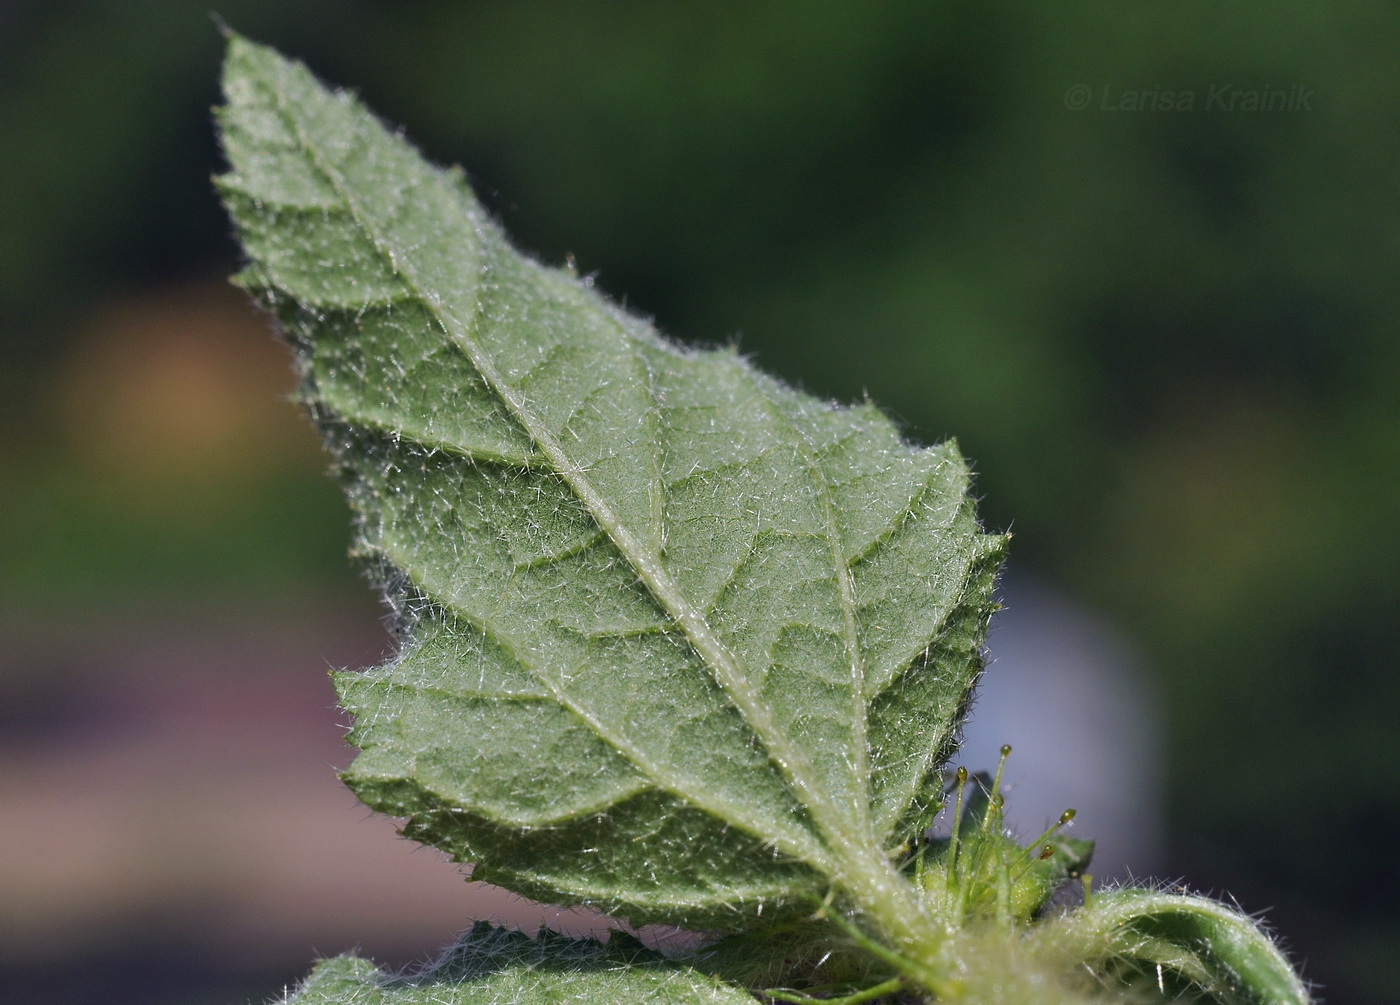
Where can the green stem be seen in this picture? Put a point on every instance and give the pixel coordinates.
(889, 987)
(914, 942)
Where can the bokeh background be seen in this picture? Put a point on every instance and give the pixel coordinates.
(1166, 336)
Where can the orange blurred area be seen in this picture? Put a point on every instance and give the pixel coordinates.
(182, 382)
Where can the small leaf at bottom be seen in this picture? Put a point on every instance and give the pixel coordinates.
(493, 966)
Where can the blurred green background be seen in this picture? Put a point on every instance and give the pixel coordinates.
(1162, 335)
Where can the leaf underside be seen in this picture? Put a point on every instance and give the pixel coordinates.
(492, 966)
(677, 640)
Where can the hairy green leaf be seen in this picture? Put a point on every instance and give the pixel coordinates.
(1180, 944)
(678, 640)
(492, 966)
(1223, 955)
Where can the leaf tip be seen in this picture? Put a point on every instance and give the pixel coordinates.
(246, 60)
